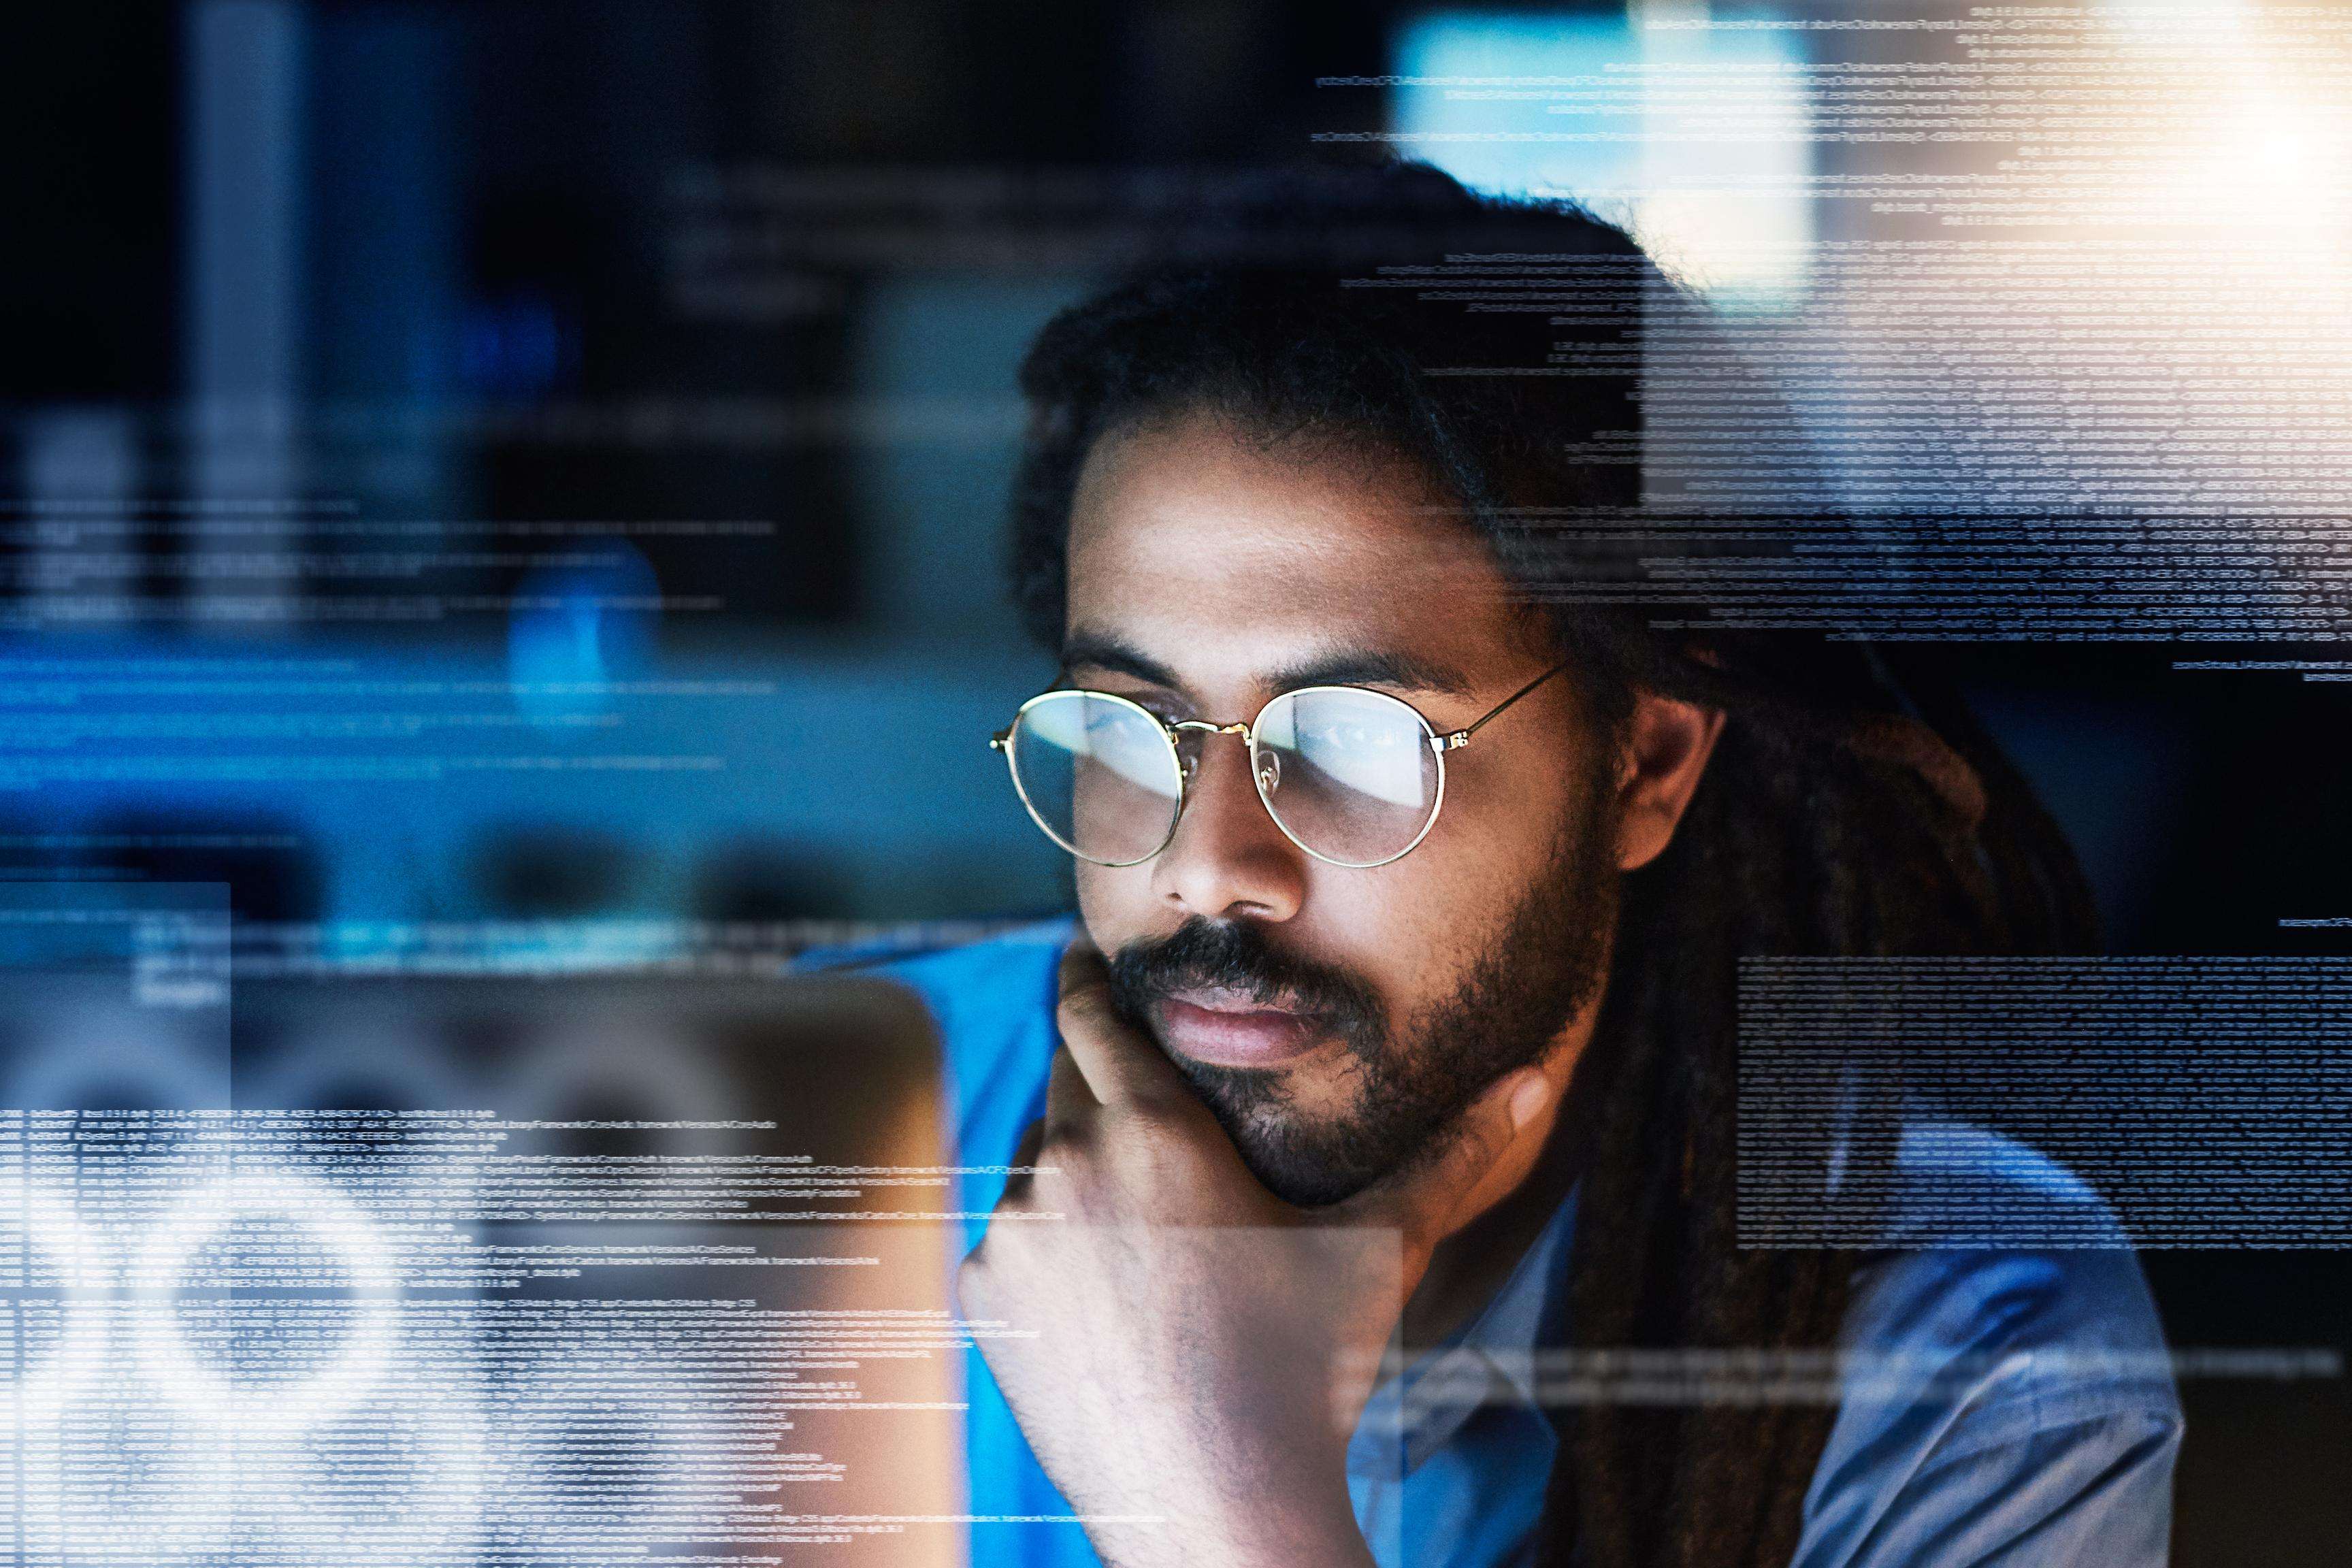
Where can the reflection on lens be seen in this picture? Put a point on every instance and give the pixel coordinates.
(1098, 774)
(1354, 776)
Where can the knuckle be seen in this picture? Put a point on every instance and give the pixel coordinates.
(1062, 1158)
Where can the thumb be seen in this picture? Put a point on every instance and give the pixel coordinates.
(1424, 1199)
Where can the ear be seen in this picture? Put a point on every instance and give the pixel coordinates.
(1666, 749)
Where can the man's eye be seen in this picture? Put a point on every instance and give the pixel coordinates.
(1151, 702)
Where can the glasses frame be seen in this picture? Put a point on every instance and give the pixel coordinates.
(1439, 741)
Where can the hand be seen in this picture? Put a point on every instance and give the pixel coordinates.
(1202, 1349)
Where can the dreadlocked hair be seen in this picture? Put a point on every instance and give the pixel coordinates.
(1852, 806)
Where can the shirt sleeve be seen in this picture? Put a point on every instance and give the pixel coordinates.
(2010, 1489)
(2001, 1408)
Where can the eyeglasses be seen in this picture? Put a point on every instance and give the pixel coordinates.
(1351, 775)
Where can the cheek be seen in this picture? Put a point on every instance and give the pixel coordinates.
(1502, 816)
(1115, 903)
(1435, 912)
(1408, 927)
(1389, 925)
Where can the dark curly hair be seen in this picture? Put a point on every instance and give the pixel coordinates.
(1851, 806)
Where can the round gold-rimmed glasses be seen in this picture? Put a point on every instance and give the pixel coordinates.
(1352, 777)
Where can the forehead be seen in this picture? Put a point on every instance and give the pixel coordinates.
(1223, 556)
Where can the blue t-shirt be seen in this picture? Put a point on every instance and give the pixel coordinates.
(1997, 1407)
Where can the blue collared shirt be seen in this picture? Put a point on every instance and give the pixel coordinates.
(1996, 1407)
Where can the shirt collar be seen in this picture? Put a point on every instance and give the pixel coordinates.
(1489, 1362)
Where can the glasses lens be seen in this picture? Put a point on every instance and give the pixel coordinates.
(1352, 775)
(1098, 774)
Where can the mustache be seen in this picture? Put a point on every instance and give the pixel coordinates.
(1236, 956)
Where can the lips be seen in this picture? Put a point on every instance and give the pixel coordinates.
(1227, 1029)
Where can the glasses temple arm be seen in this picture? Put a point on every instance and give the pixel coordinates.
(1461, 737)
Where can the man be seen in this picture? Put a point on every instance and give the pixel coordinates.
(1390, 1068)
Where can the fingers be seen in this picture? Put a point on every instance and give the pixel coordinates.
(1024, 1154)
(1119, 1065)
(1068, 1098)
(1423, 1200)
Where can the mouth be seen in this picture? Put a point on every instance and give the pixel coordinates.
(1234, 1029)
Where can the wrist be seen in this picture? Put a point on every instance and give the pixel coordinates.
(1269, 1527)
(1302, 1527)
(1326, 1539)
(1299, 1514)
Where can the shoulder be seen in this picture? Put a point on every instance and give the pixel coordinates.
(1992, 1394)
(1996, 1250)
(1994, 1247)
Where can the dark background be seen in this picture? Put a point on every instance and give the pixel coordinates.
(499, 300)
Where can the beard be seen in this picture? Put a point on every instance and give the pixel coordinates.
(1536, 976)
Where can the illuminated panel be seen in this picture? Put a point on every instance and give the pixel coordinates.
(1696, 138)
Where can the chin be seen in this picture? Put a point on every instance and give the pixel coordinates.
(1307, 1163)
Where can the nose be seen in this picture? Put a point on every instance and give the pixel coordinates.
(1228, 860)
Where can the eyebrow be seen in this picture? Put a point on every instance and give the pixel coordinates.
(1339, 666)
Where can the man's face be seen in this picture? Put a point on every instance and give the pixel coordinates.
(1334, 1018)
